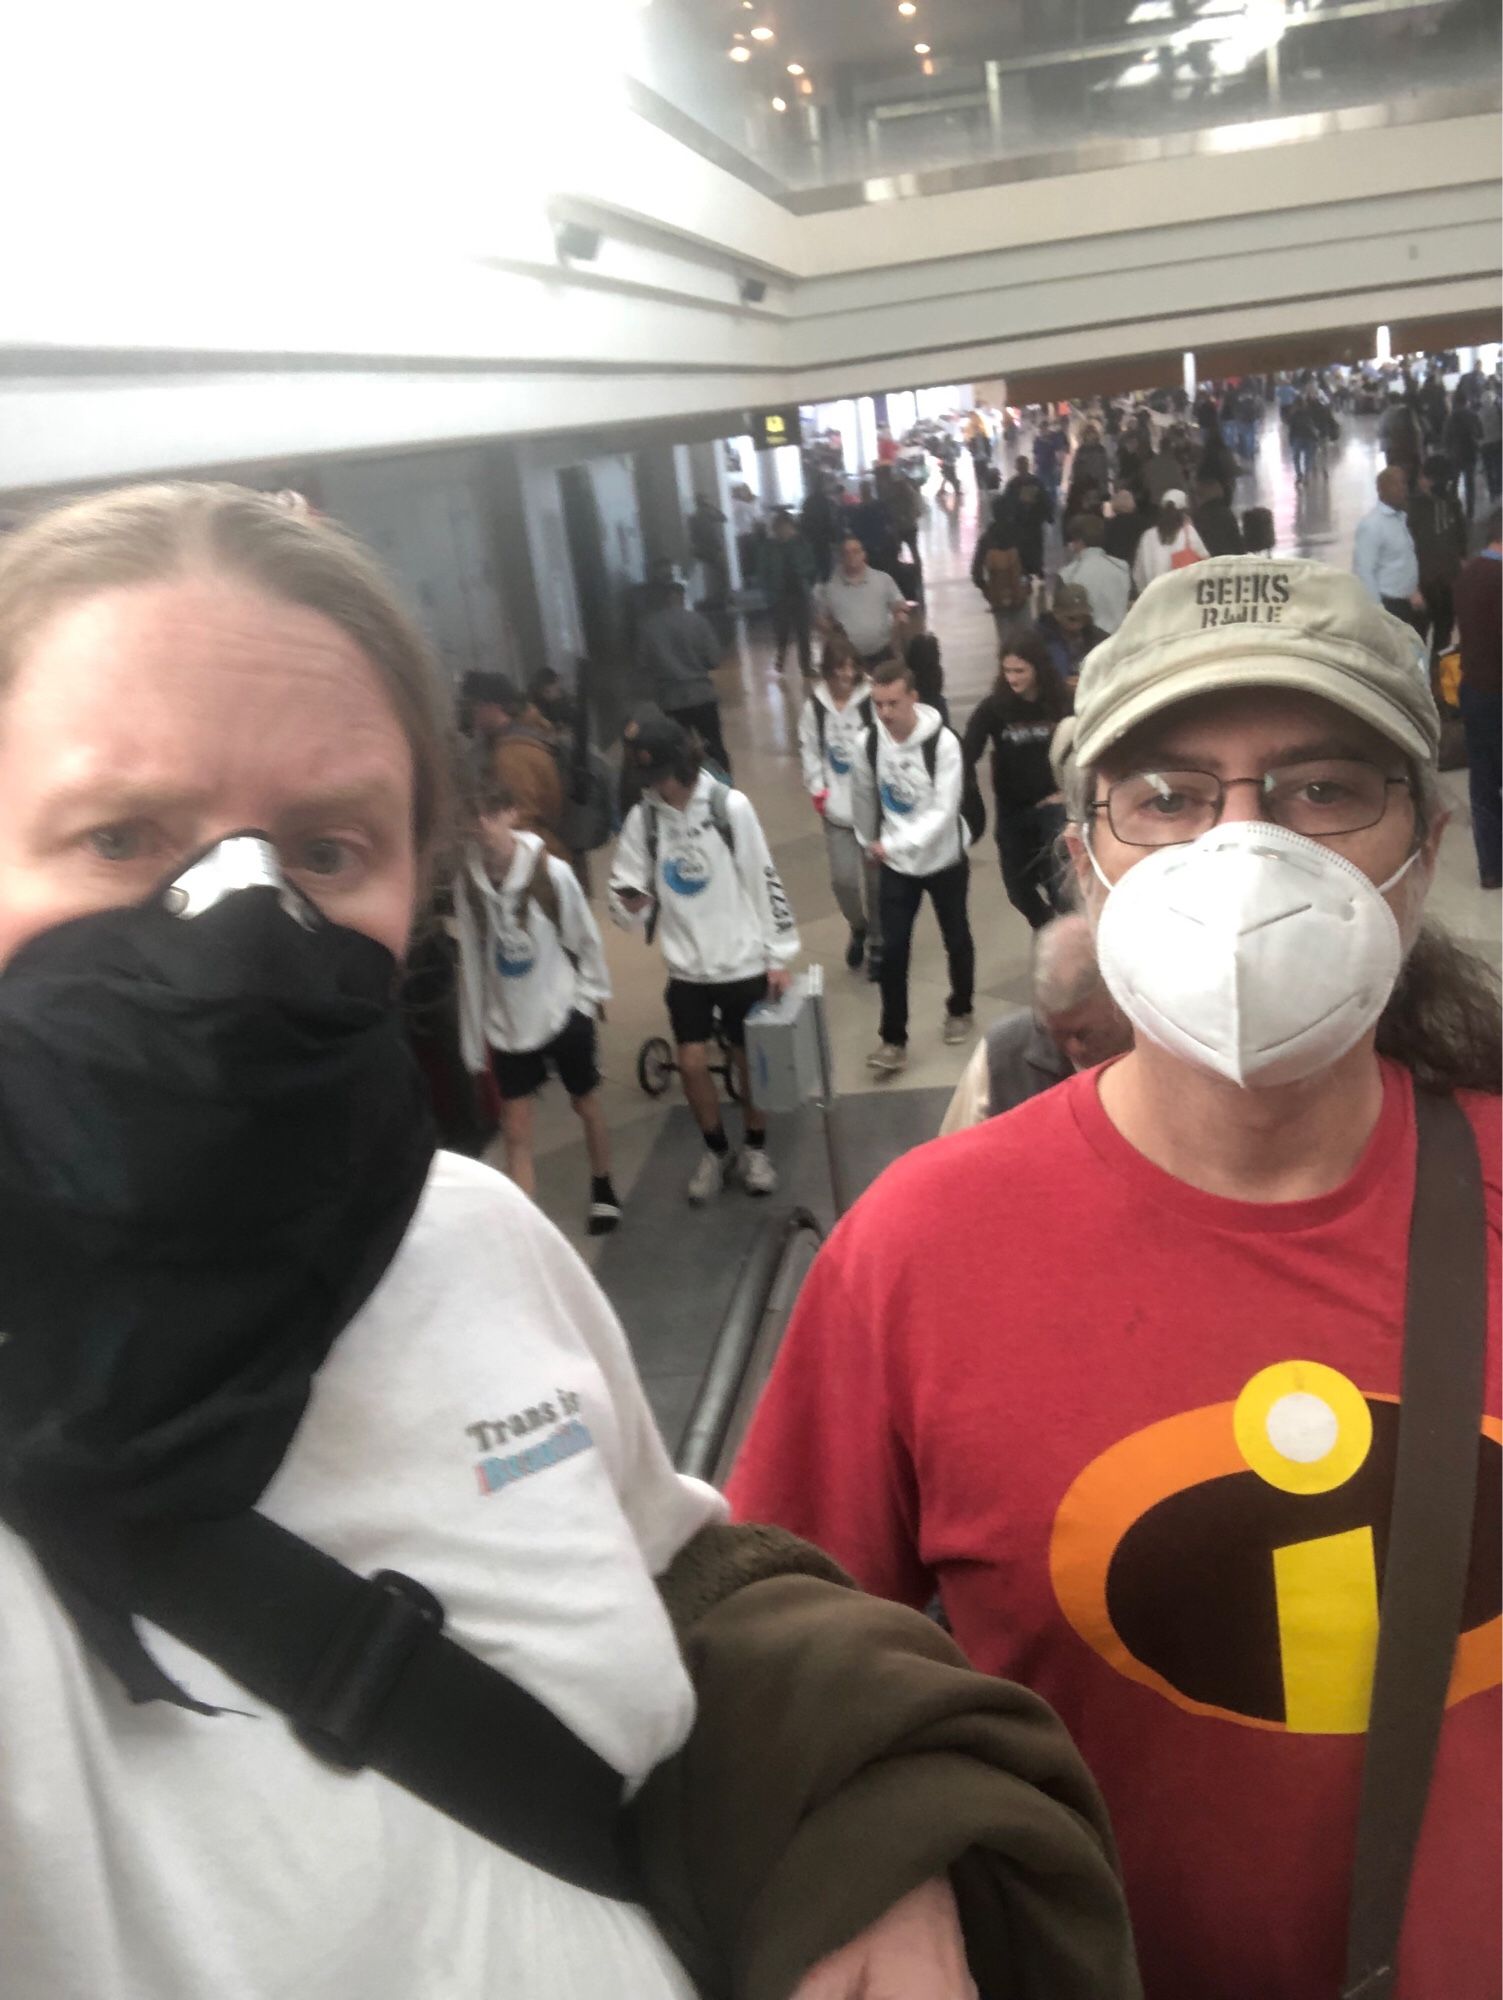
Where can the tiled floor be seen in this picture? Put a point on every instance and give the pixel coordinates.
(761, 715)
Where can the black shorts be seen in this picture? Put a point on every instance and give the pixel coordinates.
(570, 1055)
(692, 1008)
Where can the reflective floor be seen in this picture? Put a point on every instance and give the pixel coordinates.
(761, 715)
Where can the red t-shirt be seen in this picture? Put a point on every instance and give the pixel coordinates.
(1141, 1439)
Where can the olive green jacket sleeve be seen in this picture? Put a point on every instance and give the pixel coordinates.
(844, 1753)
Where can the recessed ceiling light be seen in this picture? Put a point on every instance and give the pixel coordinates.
(795, 69)
(740, 53)
(921, 48)
(807, 86)
(780, 104)
(907, 9)
(762, 34)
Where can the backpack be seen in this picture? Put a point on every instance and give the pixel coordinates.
(1004, 585)
(589, 818)
(720, 819)
(972, 805)
(1182, 558)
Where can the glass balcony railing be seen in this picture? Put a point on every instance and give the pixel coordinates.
(808, 117)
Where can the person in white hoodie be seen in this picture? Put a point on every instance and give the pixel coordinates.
(693, 867)
(835, 720)
(532, 980)
(1171, 543)
(907, 807)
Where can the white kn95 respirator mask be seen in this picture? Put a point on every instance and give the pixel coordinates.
(1252, 951)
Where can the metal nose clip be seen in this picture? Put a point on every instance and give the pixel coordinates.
(243, 861)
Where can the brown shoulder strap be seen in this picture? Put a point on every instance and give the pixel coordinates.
(1429, 1534)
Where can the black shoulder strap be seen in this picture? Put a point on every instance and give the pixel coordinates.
(362, 1671)
(649, 814)
(1429, 1533)
(819, 721)
(931, 754)
(720, 817)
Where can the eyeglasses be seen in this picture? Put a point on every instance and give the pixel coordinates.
(1319, 798)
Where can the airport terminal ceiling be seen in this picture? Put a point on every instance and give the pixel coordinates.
(826, 99)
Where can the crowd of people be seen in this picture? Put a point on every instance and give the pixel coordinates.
(303, 1419)
(898, 791)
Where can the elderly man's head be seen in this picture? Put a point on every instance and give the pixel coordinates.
(1393, 486)
(1070, 1000)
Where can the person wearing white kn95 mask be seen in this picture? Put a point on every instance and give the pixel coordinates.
(1178, 1384)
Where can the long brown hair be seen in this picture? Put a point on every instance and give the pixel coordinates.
(1049, 697)
(147, 534)
(1442, 1018)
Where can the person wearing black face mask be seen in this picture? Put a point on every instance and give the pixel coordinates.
(248, 1308)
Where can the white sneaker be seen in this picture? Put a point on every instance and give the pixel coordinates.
(959, 1028)
(758, 1174)
(709, 1177)
(887, 1059)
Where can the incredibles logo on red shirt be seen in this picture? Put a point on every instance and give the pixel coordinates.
(1231, 1558)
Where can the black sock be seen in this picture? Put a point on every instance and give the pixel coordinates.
(756, 1140)
(717, 1142)
(601, 1189)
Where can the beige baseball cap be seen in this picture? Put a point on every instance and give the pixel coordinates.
(1247, 622)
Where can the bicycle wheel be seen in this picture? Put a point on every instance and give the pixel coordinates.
(655, 1065)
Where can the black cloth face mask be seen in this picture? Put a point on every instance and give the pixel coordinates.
(213, 1138)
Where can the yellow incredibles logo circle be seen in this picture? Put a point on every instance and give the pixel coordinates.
(1303, 1427)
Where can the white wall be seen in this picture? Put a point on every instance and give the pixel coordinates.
(338, 234)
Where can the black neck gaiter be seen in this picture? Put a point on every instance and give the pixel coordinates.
(212, 1141)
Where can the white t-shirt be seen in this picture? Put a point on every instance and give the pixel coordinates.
(154, 1854)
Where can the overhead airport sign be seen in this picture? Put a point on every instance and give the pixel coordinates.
(771, 428)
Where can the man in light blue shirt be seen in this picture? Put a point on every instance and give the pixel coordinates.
(1383, 555)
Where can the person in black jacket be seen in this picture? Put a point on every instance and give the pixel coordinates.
(1216, 466)
(1214, 520)
(1438, 528)
(1462, 443)
(1027, 509)
(1017, 721)
(1124, 526)
(921, 657)
(820, 525)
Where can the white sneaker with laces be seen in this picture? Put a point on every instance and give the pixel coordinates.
(959, 1027)
(709, 1177)
(888, 1058)
(758, 1174)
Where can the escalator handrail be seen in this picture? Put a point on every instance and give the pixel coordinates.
(705, 1433)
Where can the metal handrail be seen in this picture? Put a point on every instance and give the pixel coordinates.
(707, 1440)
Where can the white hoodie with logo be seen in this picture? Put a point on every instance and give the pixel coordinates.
(916, 817)
(723, 913)
(523, 978)
(829, 770)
